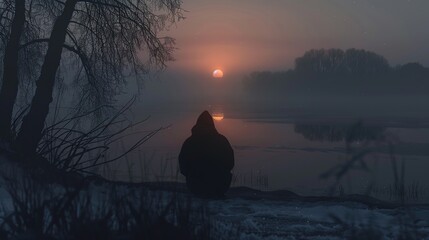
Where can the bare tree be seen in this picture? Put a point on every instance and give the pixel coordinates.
(109, 38)
(9, 88)
(20, 62)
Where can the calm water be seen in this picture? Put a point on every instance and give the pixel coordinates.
(292, 152)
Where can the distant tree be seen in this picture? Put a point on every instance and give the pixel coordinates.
(353, 71)
(363, 63)
(109, 38)
(320, 61)
(337, 62)
(413, 71)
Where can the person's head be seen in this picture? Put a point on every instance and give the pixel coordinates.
(205, 119)
(205, 124)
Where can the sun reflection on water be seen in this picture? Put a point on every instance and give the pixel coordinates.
(218, 116)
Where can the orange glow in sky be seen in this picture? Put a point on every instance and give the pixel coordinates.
(252, 35)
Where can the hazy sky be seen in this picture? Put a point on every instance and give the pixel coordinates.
(241, 36)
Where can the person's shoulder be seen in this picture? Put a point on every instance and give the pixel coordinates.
(223, 138)
(220, 136)
(188, 140)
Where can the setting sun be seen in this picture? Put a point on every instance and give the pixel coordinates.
(217, 73)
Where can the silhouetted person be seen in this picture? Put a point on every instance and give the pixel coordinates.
(206, 159)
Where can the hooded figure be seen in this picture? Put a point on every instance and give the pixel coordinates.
(206, 159)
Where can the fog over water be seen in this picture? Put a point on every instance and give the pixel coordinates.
(287, 142)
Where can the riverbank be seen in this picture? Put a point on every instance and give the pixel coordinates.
(95, 207)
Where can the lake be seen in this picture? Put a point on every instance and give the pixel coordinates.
(295, 151)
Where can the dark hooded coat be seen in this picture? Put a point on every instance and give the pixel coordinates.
(206, 159)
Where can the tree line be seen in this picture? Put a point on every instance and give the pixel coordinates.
(96, 44)
(339, 71)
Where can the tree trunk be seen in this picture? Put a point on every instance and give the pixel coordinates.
(9, 88)
(33, 123)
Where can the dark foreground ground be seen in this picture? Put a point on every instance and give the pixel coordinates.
(119, 210)
(246, 213)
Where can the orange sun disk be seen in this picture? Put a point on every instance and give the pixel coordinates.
(217, 73)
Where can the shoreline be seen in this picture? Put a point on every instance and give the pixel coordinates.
(248, 193)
